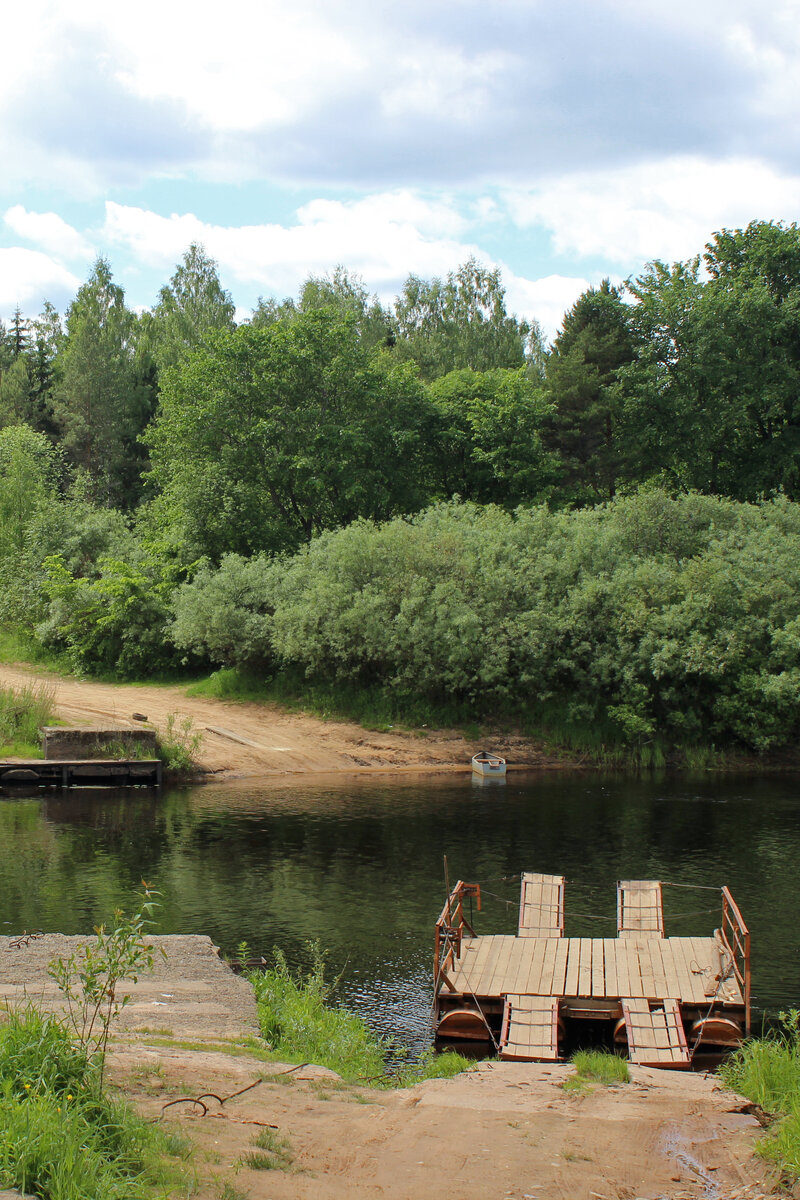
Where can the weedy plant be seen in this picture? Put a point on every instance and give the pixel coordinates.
(90, 978)
(178, 746)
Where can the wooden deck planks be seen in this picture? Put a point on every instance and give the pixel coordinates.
(530, 1028)
(541, 906)
(655, 1033)
(640, 908)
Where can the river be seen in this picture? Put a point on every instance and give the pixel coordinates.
(358, 864)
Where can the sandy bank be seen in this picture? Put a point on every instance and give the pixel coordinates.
(264, 739)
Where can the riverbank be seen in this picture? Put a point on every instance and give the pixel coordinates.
(242, 739)
(508, 1130)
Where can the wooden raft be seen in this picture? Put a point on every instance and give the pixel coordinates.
(524, 990)
(541, 906)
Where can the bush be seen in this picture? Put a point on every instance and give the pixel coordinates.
(649, 622)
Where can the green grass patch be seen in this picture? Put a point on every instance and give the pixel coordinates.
(373, 707)
(767, 1071)
(61, 1135)
(596, 1066)
(17, 646)
(272, 1152)
(23, 711)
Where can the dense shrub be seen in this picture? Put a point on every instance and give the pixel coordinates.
(649, 618)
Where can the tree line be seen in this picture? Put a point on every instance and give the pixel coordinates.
(138, 453)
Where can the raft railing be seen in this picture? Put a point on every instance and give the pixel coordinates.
(736, 938)
(450, 931)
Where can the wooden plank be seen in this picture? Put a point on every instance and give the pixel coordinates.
(481, 982)
(523, 953)
(541, 906)
(530, 1028)
(573, 967)
(633, 967)
(560, 967)
(646, 965)
(598, 968)
(640, 907)
(585, 972)
(610, 958)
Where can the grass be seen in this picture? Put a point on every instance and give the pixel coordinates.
(767, 1071)
(301, 1024)
(596, 1066)
(272, 1152)
(23, 711)
(61, 1135)
(373, 707)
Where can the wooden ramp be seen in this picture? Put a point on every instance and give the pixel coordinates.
(530, 1028)
(640, 908)
(655, 1033)
(541, 906)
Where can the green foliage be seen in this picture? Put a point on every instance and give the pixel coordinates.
(38, 1055)
(190, 309)
(61, 1136)
(648, 623)
(103, 398)
(273, 434)
(114, 623)
(767, 1071)
(486, 440)
(714, 389)
(461, 322)
(23, 711)
(587, 426)
(300, 1024)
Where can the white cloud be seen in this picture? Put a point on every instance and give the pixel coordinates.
(48, 231)
(381, 237)
(665, 209)
(28, 275)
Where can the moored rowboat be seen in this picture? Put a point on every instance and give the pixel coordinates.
(485, 763)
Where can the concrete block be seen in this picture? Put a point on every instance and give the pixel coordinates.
(94, 742)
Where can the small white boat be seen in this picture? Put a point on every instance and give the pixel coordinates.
(486, 764)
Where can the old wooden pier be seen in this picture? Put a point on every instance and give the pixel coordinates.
(669, 1000)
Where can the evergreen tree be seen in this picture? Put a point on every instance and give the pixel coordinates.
(586, 426)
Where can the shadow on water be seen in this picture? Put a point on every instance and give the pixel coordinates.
(357, 864)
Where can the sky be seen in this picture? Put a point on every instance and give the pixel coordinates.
(561, 140)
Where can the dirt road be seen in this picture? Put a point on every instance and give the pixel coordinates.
(264, 739)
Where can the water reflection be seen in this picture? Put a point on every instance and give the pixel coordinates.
(358, 865)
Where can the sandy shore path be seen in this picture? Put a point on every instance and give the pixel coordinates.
(264, 739)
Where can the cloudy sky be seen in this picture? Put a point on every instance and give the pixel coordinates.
(564, 140)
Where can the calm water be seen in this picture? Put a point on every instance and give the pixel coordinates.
(358, 865)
